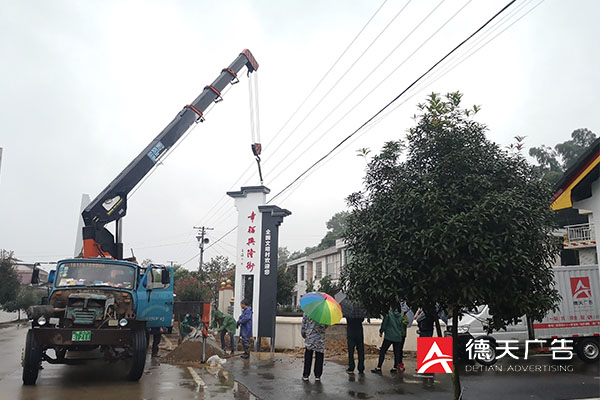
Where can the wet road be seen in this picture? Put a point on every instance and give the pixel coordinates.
(277, 377)
(280, 378)
(100, 380)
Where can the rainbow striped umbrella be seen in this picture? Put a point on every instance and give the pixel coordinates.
(321, 308)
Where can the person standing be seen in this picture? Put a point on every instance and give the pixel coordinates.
(426, 321)
(245, 324)
(156, 336)
(225, 324)
(356, 340)
(314, 342)
(393, 330)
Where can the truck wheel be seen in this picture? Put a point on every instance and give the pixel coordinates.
(588, 350)
(488, 358)
(31, 359)
(138, 348)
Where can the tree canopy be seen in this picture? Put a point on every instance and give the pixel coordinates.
(9, 281)
(553, 162)
(286, 280)
(459, 222)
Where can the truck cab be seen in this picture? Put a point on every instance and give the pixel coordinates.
(99, 304)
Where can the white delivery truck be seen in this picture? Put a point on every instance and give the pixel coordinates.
(578, 316)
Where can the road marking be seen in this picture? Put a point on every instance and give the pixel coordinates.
(196, 377)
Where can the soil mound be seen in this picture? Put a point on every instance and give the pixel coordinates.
(191, 351)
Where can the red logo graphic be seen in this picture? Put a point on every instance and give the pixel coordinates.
(580, 287)
(434, 355)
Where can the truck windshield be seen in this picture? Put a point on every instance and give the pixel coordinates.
(95, 274)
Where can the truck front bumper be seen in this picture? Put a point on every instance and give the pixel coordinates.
(64, 336)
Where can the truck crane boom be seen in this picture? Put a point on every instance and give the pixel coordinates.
(111, 204)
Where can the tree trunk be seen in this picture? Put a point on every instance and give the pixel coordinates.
(438, 328)
(19, 314)
(455, 373)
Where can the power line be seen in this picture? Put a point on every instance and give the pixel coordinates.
(228, 213)
(394, 99)
(301, 104)
(435, 78)
(380, 82)
(314, 89)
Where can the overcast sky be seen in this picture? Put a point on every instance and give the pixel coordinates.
(86, 85)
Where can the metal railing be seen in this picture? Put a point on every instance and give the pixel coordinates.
(580, 232)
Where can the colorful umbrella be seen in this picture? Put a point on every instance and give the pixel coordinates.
(321, 308)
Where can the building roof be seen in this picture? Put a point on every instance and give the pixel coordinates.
(313, 256)
(576, 183)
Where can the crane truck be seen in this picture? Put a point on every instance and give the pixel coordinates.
(100, 302)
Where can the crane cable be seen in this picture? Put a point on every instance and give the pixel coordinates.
(255, 121)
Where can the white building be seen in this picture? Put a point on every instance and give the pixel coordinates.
(578, 189)
(315, 266)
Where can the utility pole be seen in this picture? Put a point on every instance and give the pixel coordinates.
(201, 242)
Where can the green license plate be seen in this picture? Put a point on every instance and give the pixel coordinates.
(81, 336)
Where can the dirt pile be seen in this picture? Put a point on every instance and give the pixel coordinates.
(191, 351)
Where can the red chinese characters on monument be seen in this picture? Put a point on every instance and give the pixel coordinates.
(251, 243)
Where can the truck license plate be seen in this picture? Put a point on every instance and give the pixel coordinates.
(81, 336)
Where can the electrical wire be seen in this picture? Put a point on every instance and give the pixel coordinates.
(343, 117)
(229, 212)
(430, 81)
(341, 77)
(394, 99)
(312, 91)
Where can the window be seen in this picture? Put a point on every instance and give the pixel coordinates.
(301, 273)
(156, 279)
(96, 274)
(319, 270)
(333, 263)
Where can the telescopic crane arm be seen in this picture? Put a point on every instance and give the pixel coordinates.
(111, 204)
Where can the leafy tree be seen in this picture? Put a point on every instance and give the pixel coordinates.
(283, 256)
(326, 285)
(459, 222)
(213, 273)
(147, 262)
(310, 286)
(181, 273)
(191, 289)
(9, 280)
(27, 297)
(553, 162)
(286, 280)
(335, 230)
